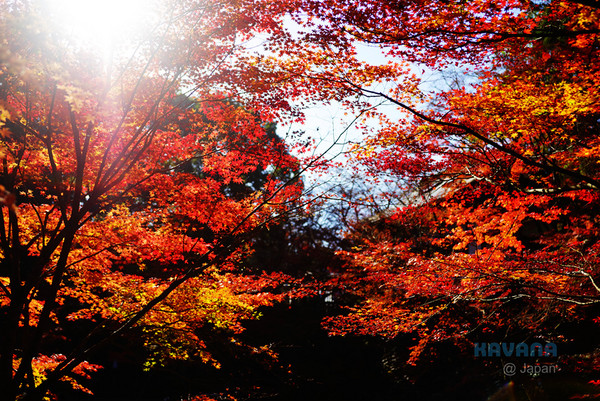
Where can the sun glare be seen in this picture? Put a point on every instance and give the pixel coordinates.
(101, 23)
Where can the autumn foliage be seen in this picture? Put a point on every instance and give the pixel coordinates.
(127, 189)
(136, 178)
(501, 236)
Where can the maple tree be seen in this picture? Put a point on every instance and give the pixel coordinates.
(134, 178)
(503, 171)
(131, 185)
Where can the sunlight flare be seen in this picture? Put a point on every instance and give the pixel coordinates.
(102, 24)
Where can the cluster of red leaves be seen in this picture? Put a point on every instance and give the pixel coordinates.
(506, 236)
(135, 201)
